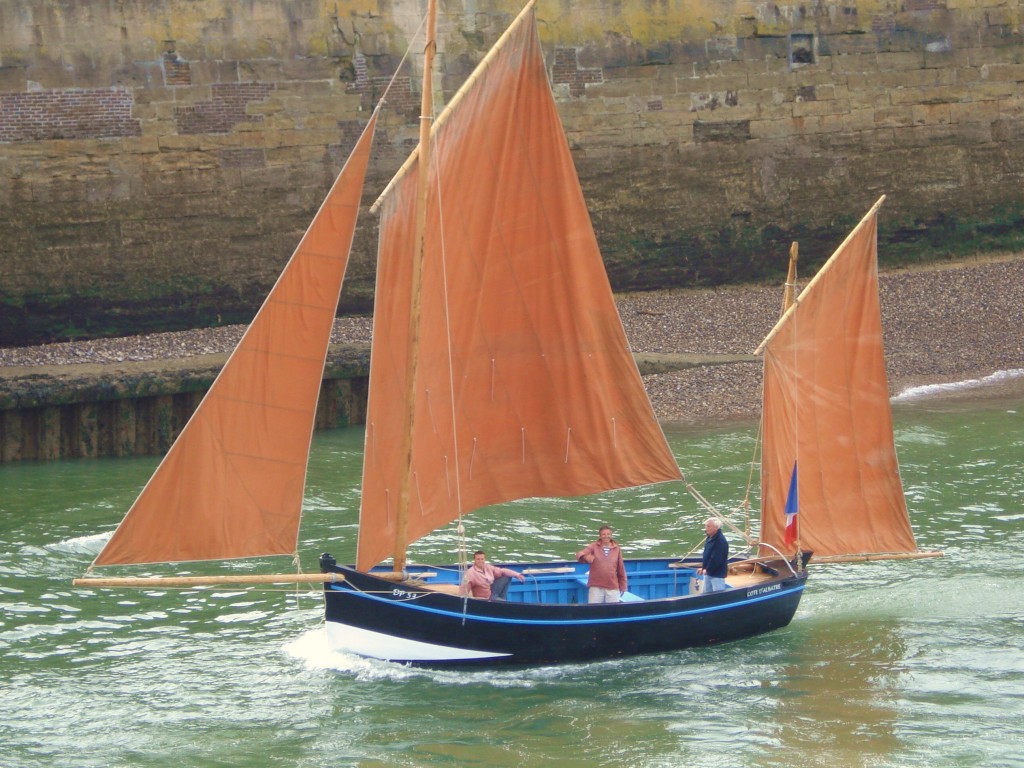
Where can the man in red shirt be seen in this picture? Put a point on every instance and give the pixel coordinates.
(607, 579)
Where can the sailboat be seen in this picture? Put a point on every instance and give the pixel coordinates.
(499, 371)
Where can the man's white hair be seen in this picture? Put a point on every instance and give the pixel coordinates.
(714, 522)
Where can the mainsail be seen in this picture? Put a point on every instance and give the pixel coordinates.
(525, 384)
(826, 411)
(231, 486)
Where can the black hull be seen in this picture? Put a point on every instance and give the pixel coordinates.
(397, 622)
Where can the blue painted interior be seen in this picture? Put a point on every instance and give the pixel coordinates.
(648, 580)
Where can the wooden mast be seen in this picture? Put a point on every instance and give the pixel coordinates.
(426, 115)
(789, 291)
(788, 299)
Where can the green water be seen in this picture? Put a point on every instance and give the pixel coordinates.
(886, 664)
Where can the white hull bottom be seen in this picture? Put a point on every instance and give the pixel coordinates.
(376, 645)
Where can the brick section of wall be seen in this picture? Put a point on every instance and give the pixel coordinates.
(225, 109)
(402, 99)
(67, 114)
(177, 71)
(566, 70)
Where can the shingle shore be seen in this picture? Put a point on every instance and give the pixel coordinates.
(942, 323)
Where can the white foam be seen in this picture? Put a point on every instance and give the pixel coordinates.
(913, 393)
(313, 649)
(82, 545)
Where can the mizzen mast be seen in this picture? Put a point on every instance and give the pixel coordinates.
(789, 292)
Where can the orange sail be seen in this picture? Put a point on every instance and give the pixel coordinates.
(826, 411)
(232, 484)
(525, 385)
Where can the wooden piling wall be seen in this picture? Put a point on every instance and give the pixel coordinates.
(74, 411)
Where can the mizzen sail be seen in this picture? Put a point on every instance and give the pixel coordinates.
(231, 486)
(826, 411)
(525, 383)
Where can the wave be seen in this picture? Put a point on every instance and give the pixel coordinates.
(927, 390)
(82, 545)
(312, 649)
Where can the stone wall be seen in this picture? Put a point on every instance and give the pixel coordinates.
(159, 159)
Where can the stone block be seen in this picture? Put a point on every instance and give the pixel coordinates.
(923, 135)
(779, 128)
(725, 131)
(931, 114)
(860, 120)
(894, 117)
(779, 111)
(978, 112)
(720, 83)
(853, 64)
(621, 89)
(976, 133)
(808, 108)
(986, 90)
(764, 47)
(1007, 130)
(939, 94)
(178, 143)
(899, 61)
(636, 75)
(846, 44)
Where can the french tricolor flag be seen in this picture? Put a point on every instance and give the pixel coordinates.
(792, 507)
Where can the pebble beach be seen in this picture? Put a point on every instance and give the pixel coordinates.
(943, 323)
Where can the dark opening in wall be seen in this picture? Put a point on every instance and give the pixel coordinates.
(801, 48)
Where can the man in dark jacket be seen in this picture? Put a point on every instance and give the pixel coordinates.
(714, 564)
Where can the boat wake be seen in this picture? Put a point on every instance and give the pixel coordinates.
(81, 545)
(313, 650)
(928, 390)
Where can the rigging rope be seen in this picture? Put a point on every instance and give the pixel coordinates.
(714, 511)
(398, 69)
